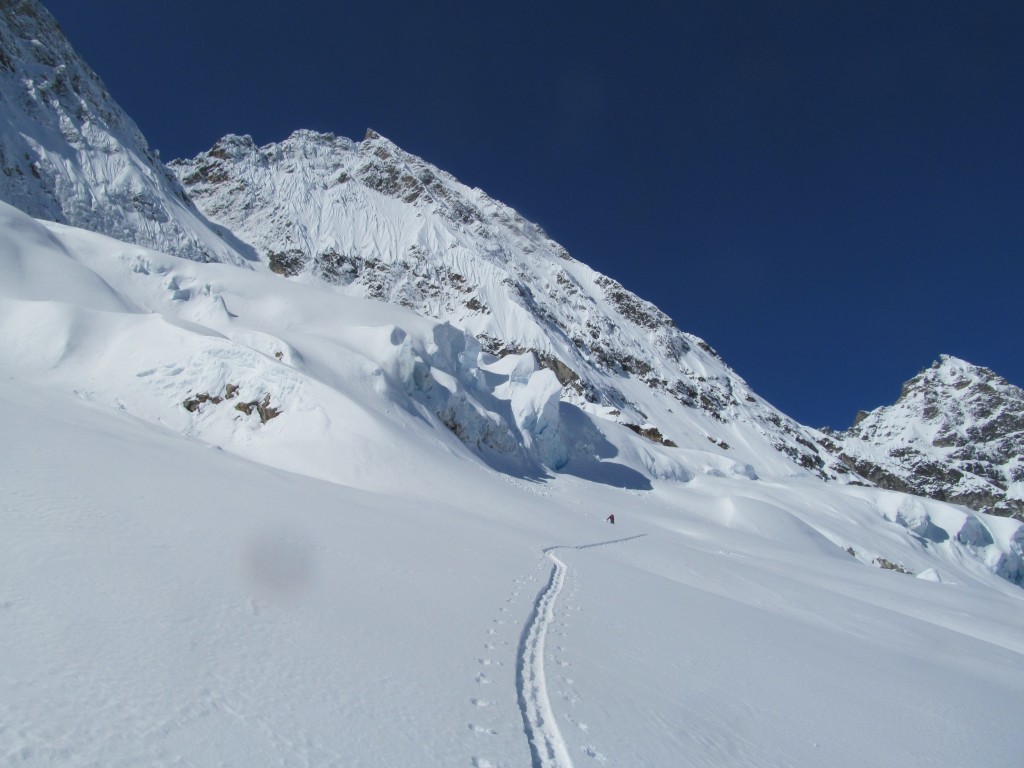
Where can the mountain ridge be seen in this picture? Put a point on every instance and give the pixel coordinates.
(381, 223)
(421, 239)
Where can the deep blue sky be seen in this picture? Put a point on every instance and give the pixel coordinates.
(830, 193)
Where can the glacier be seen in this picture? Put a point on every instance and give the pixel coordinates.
(309, 457)
(342, 578)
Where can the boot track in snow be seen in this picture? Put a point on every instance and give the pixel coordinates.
(547, 747)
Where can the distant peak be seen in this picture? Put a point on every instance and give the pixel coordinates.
(948, 361)
(949, 368)
(232, 145)
(382, 147)
(372, 135)
(309, 135)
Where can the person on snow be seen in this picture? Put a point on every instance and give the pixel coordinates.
(611, 518)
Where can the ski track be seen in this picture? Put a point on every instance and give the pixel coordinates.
(547, 747)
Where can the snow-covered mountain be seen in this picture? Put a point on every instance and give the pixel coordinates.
(384, 224)
(956, 433)
(69, 153)
(250, 520)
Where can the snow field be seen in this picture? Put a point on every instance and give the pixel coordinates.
(166, 601)
(350, 583)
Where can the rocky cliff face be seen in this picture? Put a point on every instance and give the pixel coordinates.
(956, 433)
(381, 223)
(70, 154)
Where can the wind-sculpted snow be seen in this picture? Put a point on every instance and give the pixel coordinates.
(69, 153)
(381, 223)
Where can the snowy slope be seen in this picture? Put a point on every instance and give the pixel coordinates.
(185, 344)
(69, 153)
(383, 224)
(261, 521)
(956, 433)
(183, 586)
(306, 379)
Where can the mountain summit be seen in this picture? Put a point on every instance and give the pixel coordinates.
(956, 433)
